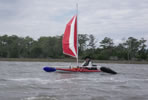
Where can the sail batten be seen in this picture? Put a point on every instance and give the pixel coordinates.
(69, 42)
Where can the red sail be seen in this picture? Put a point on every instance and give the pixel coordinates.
(70, 38)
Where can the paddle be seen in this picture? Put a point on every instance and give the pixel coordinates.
(49, 69)
(107, 70)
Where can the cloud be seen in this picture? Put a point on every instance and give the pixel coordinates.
(103, 18)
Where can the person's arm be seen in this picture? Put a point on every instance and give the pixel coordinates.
(83, 63)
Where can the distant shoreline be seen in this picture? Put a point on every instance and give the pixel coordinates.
(70, 60)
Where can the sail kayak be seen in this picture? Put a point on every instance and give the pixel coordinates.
(70, 47)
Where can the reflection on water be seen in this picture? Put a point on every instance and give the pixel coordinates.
(27, 81)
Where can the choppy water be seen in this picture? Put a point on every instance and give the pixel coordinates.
(27, 81)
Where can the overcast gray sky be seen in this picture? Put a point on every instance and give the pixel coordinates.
(116, 19)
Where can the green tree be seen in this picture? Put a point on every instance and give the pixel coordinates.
(3, 46)
(26, 46)
(142, 52)
(106, 49)
(132, 45)
(92, 42)
(106, 43)
(121, 52)
(36, 52)
(12, 46)
(91, 46)
(51, 46)
(82, 40)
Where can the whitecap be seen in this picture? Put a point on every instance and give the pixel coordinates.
(40, 98)
(32, 80)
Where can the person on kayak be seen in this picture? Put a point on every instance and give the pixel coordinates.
(88, 63)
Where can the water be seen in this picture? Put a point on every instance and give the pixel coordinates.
(27, 81)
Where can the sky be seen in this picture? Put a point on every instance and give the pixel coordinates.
(116, 19)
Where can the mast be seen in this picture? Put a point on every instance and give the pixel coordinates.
(77, 35)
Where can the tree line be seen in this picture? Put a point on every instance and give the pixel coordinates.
(51, 47)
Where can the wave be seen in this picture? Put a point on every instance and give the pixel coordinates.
(39, 80)
(40, 98)
(32, 80)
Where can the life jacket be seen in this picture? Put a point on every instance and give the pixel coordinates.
(86, 63)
